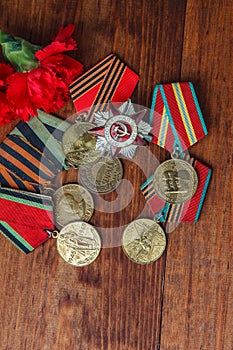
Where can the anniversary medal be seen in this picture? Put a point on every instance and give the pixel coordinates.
(78, 243)
(78, 145)
(103, 176)
(177, 189)
(72, 202)
(175, 181)
(143, 241)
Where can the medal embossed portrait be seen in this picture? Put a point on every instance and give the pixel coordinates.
(175, 181)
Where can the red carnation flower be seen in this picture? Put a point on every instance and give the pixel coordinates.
(51, 56)
(43, 87)
(40, 88)
(64, 66)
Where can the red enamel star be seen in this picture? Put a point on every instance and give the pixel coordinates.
(119, 131)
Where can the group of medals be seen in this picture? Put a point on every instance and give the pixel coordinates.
(103, 133)
(95, 149)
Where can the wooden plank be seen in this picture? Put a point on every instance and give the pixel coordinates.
(113, 303)
(198, 297)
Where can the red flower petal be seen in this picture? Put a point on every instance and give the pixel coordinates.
(69, 70)
(64, 66)
(53, 49)
(47, 91)
(17, 91)
(52, 62)
(62, 42)
(5, 71)
(65, 33)
(7, 113)
(19, 97)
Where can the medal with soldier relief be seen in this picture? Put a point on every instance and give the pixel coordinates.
(78, 243)
(78, 145)
(143, 241)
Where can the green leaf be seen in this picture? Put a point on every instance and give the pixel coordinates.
(19, 52)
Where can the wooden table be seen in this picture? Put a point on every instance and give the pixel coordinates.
(184, 301)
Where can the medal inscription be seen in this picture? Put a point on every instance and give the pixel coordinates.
(175, 181)
(143, 241)
(79, 243)
(103, 176)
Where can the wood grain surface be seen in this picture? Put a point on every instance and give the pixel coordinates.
(184, 301)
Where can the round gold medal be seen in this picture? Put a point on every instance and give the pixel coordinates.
(103, 176)
(78, 243)
(72, 202)
(175, 181)
(143, 241)
(78, 145)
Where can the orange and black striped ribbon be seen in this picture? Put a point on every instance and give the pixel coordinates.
(31, 155)
(23, 166)
(109, 80)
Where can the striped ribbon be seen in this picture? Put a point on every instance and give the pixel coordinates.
(45, 133)
(185, 212)
(176, 117)
(24, 217)
(31, 155)
(109, 80)
(19, 157)
(10, 179)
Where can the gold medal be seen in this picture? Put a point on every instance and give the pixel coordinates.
(78, 145)
(72, 202)
(102, 177)
(143, 241)
(78, 243)
(175, 181)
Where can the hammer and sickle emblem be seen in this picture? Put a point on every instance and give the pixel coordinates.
(120, 130)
